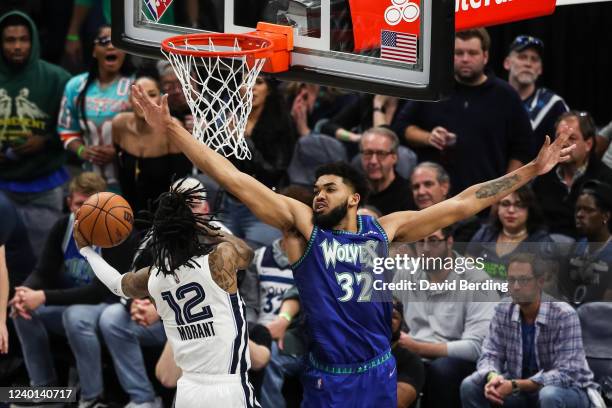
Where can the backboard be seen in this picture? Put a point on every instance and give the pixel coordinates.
(393, 47)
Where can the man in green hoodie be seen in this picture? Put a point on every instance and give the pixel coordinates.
(31, 153)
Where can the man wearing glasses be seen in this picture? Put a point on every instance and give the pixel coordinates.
(533, 355)
(524, 66)
(558, 190)
(390, 191)
(446, 326)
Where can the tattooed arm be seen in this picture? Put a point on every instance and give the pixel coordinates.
(135, 285)
(225, 260)
(244, 252)
(414, 225)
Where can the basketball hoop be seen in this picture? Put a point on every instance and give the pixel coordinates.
(217, 73)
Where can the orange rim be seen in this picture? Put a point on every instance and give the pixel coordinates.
(253, 46)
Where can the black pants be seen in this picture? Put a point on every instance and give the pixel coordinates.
(443, 377)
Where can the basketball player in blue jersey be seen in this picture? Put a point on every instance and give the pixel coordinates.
(350, 363)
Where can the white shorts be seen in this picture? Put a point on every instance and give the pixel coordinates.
(195, 390)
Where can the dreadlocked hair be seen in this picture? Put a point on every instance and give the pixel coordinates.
(177, 235)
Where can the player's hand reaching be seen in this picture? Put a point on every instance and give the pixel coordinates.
(157, 116)
(78, 237)
(557, 152)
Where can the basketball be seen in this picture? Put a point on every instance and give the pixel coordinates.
(105, 219)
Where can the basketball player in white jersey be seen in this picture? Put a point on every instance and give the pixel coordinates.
(193, 283)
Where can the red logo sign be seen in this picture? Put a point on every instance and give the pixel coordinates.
(370, 17)
(480, 13)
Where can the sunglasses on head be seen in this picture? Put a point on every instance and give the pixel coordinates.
(523, 40)
(585, 116)
(103, 41)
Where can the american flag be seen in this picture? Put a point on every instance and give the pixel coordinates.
(398, 46)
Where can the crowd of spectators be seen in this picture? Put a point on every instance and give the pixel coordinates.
(65, 137)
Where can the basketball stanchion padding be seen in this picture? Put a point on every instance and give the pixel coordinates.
(105, 220)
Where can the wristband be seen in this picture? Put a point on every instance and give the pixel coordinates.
(345, 135)
(491, 375)
(73, 37)
(285, 316)
(379, 109)
(79, 151)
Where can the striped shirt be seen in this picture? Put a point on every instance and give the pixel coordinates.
(559, 352)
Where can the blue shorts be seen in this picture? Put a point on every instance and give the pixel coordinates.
(371, 384)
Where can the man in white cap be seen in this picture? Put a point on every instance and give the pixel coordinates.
(524, 65)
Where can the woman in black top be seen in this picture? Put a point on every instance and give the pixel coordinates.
(147, 161)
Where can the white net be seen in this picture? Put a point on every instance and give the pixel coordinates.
(219, 91)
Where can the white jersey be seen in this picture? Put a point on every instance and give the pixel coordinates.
(204, 324)
(274, 281)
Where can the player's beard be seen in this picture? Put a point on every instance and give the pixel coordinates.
(331, 220)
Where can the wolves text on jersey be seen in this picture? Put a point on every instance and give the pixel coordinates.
(357, 254)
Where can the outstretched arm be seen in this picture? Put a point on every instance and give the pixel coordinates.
(413, 225)
(132, 285)
(272, 208)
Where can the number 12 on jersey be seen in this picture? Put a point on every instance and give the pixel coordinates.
(187, 315)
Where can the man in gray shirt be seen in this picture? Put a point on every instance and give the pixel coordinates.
(447, 321)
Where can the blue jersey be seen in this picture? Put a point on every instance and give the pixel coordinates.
(346, 323)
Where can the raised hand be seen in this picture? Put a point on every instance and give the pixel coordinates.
(557, 152)
(299, 113)
(157, 116)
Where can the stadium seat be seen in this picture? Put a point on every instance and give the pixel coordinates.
(597, 337)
